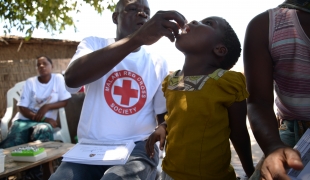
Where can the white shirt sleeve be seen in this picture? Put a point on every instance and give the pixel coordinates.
(159, 98)
(85, 47)
(159, 102)
(25, 95)
(63, 93)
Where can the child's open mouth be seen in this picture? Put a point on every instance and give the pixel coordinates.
(185, 30)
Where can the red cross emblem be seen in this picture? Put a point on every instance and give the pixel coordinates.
(125, 92)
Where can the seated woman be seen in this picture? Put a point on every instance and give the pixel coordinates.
(40, 100)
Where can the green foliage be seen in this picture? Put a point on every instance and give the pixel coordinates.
(51, 15)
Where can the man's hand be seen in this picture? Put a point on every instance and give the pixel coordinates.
(158, 26)
(52, 122)
(276, 164)
(158, 135)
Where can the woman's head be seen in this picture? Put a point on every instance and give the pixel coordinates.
(44, 65)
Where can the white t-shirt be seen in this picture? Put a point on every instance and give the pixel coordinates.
(123, 104)
(35, 95)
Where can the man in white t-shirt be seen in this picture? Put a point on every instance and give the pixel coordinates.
(123, 92)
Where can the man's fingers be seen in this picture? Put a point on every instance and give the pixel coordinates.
(179, 19)
(173, 15)
(181, 22)
(168, 33)
(168, 29)
(161, 24)
(173, 27)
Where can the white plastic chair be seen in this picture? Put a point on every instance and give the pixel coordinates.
(61, 134)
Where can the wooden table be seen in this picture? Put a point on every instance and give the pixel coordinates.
(53, 150)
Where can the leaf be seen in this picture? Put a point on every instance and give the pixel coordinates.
(50, 15)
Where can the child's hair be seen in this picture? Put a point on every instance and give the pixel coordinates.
(233, 46)
(49, 60)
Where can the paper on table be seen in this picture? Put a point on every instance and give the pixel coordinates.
(100, 153)
(303, 146)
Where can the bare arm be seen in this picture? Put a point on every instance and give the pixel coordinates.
(93, 66)
(258, 66)
(239, 135)
(160, 118)
(260, 85)
(158, 135)
(42, 111)
(26, 112)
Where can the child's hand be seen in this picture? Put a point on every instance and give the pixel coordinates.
(158, 135)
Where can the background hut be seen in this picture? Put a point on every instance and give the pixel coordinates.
(18, 60)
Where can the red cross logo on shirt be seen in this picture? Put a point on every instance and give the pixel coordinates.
(126, 92)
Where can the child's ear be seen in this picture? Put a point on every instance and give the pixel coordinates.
(114, 17)
(220, 50)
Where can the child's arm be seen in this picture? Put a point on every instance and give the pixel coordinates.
(158, 135)
(239, 135)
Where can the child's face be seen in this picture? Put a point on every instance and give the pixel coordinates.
(201, 36)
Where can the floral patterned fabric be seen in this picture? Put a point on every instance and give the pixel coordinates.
(27, 131)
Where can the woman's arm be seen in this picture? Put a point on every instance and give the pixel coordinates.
(26, 112)
(239, 135)
(43, 110)
(40, 115)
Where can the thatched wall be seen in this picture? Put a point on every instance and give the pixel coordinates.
(18, 60)
(16, 48)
